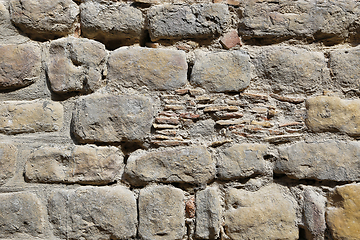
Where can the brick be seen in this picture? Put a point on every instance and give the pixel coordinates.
(230, 39)
(189, 115)
(8, 154)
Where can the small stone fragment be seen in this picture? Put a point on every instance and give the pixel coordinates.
(170, 143)
(189, 115)
(8, 154)
(229, 122)
(254, 96)
(164, 126)
(287, 99)
(174, 107)
(282, 138)
(230, 39)
(222, 115)
(190, 207)
(163, 120)
(220, 108)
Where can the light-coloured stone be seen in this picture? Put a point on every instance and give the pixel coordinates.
(75, 65)
(8, 154)
(112, 118)
(157, 69)
(161, 213)
(93, 213)
(343, 213)
(267, 214)
(331, 114)
(192, 165)
(30, 116)
(222, 71)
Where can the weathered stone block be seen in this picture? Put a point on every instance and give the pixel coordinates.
(45, 19)
(222, 71)
(93, 213)
(75, 65)
(30, 116)
(157, 69)
(161, 213)
(200, 21)
(112, 118)
(192, 165)
(327, 114)
(268, 213)
(8, 154)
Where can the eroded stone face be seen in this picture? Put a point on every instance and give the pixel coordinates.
(8, 154)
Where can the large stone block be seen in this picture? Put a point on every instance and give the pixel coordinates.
(192, 165)
(161, 213)
(30, 116)
(199, 21)
(75, 65)
(46, 19)
(157, 69)
(8, 154)
(112, 118)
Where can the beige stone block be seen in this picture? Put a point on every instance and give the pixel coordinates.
(8, 154)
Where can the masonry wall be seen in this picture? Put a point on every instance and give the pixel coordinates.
(184, 119)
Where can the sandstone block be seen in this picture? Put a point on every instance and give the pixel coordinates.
(8, 154)
(112, 118)
(157, 69)
(222, 71)
(161, 213)
(199, 21)
(45, 19)
(30, 116)
(192, 165)
(75, 65)
(268, 213)
(93, 213)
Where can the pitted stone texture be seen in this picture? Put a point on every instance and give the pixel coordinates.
(242, 161)
(332, 114)
(46, 19)
(20, 65)
(343, 213)
(161, 213)
(291, 69)
(74, 164)
(75, 65)
(30, 116)
(330, 160)
(199, 21)
(208, 214)
(111, 118)
(8, 154)
(157, 69)
(93, 213)
(222, 72)
(192, 165)
(109, 21)
(268, 214)
(21, 213)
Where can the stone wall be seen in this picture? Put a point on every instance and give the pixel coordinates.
(180, 119)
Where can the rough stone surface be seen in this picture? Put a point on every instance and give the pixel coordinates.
(30, 116)
(200, 21)
(45, 19)
(333, 114)
(157, 69)
(112, 118)
(222, 72)
(268, 213)
(8, 154)
(208, 214)
(192, 165)
(79, 164)
(75, 65)
(343, 214)
(161, 213)
(230, 39)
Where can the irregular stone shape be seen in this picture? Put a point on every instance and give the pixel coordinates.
(109, 21)
(45, 19)
(329, 114)
(199, 21)
(222, 71)
(192, 165)
(8, 153)
(241, 161)
(111, 118)
(79, 164)
(30, 116)
(292, 70)
(157, 69)
(208, 214)
(161, 213)
(93, 213)
(21, 212)
(75, 65)
(343, 213)
(330, 160)
(268, 213)
(20, 65)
